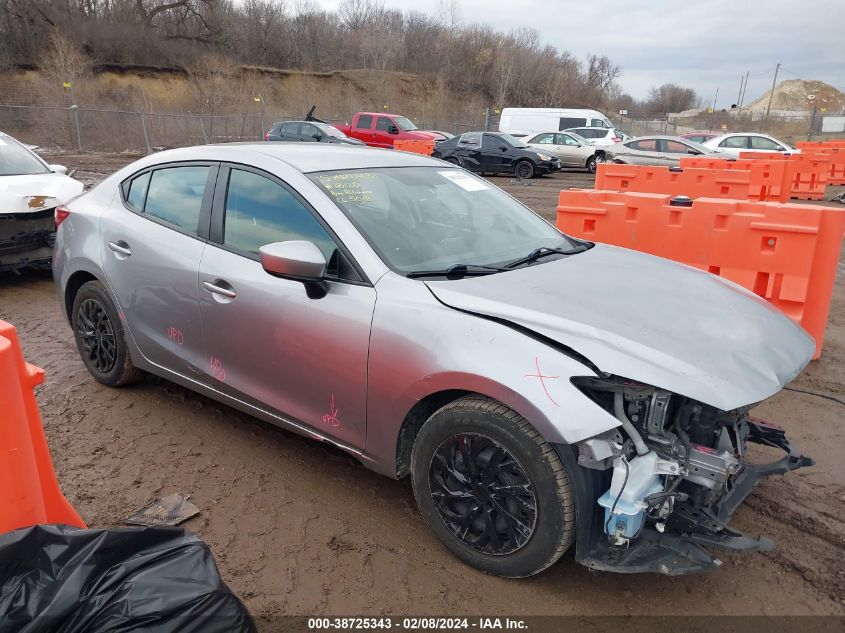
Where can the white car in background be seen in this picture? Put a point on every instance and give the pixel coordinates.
(573, 150)
(738, 142)
(598, 136)
(30, 191)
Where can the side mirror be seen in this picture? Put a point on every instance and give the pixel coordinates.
(780, 149)
(298, 260)
(58, 169)
(503, 148)
(692, 151)
(317, 137)
(393, 130)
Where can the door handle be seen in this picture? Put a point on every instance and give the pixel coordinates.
(216, 289)
(120, 247)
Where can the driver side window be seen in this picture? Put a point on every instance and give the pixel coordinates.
(545, 139)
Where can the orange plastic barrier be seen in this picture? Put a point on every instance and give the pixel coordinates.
(834, 151)
(785, 253)
(760, 183)
(770, 180)
(29, 492)
(426, 148)
(811, 172)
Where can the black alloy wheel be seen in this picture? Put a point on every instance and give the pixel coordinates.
(483, 494)
(96, 334)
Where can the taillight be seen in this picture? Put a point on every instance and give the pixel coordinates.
(60, 214)
(267, 136)
(616, 139)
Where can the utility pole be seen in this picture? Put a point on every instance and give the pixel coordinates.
(743, 87)
(771, 95)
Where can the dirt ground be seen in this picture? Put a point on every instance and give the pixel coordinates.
(299, 528)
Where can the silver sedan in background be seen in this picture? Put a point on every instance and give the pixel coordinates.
(656, 150)
(539, 390)
(573, 150)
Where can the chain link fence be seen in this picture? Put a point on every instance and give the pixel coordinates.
(103, 130)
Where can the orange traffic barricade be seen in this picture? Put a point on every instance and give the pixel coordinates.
(769, 180)
(29, 492)
(760, 183)
(785, 253)
(811, 172)
(426, 148)
(835, 153)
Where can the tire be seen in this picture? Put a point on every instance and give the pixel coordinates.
(524, 169)
(100, 337)
(489, 432)
(591, 163)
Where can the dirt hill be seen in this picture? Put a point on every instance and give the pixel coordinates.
(792, 95)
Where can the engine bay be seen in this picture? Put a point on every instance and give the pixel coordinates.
(678, 470)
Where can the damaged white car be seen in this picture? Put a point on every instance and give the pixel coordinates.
(30, 190)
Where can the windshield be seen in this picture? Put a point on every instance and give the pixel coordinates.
(512, 140)
(404, 124)
(16, 160)
(331, 130)
(432, 218)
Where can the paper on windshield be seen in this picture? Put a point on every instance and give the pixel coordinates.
(464, 180)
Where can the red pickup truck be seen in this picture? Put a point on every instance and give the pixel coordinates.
(381, 130)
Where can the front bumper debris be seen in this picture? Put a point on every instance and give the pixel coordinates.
(26, 240)
(680, 549)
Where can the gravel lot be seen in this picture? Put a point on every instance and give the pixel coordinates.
(300, 528)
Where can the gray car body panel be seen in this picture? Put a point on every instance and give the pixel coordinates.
(415, 338)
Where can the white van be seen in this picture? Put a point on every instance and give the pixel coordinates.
(525, 121)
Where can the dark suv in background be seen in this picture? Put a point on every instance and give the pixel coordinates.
(309, 132)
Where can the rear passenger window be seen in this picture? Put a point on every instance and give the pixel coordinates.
(365, 122)
(260, 211)
(138, 191)
(175, 195)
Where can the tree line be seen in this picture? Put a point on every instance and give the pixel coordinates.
(465, 58)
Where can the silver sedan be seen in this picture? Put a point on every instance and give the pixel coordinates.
(535, 387)
(656, 150)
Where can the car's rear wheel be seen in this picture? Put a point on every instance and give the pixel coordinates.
(524, 169)
(593, 160)
(100, 337)
(492, 489)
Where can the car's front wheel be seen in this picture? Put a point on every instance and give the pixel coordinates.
(99, 336)
(524, 169)
(594, 160)
(492, 489)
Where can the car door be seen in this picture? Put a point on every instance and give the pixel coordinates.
(152, 239)
(672, 151)
(309, 133)
(642, 152)
(382, 134)
(492, 157)
(765, 144)
(468, 151)
(267, 342)
(571, 151)
(292, 131)
(734, 145)
(364, 129)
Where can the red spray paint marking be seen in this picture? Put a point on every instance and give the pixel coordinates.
(217, 369)
(543, 378)
(332, 418)
(175, 335)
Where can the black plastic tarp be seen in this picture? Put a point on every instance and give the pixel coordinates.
(58, 579)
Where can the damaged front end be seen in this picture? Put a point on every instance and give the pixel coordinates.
(662, 487)
(26, 239)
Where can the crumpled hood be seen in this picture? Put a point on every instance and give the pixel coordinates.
(23, 194)
(648, 319)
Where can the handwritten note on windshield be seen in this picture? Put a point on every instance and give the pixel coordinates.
(350, 188)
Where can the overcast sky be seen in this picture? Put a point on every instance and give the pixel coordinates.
(702, 44)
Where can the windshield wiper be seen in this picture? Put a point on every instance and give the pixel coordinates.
(458, 270)
(537, 253)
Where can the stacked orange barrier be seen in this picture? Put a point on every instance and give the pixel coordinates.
(770, 180)
(29, 492)
(835, 152)
(785, 253)
(811, 172)
(760, 183)
(426, 148)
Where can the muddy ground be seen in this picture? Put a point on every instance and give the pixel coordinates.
(299, 528)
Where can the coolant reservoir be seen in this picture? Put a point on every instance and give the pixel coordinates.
(643, 480)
